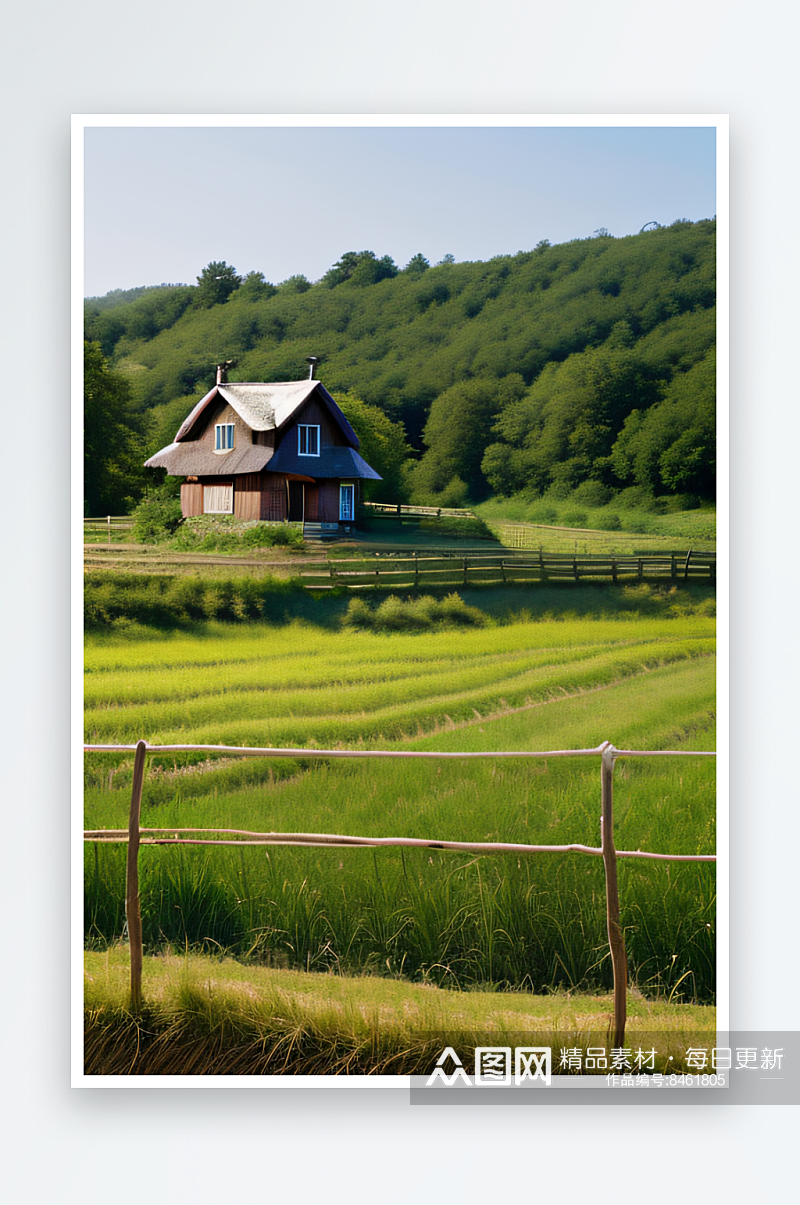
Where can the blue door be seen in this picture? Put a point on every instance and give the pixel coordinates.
(346, 503)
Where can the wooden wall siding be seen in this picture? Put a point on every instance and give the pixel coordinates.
(247, 496)
(264, 439)
(312, 504)
(328, 502)
(222, 412)
(315, 413)
(191, 498)
(273, 498)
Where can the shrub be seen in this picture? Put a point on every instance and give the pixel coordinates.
(164, 601)
(265, 535)
(575, 518)
(609, 521)
(637, 497)
(413, 614)
(680, 502)
(591, 493)
(226, 533)
(540, 512)
(157, 516)
(558, 491)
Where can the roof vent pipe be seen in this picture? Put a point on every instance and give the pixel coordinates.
(312, 362)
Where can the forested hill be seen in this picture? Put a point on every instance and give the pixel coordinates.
(588, 360)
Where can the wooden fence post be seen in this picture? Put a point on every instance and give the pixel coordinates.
(132, 907)
(416, 569)
(616, 941)
(686, 566)
(465, 571)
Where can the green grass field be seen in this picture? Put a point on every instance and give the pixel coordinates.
(567, 677)
(610, 528)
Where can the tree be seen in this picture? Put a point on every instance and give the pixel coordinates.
(295, 284)
(383, 446)
(567, 422)
(456, 434)
(215, 284)
(446, 259)
(256, 288)
(114, 437)
(360, 268)
(672, 445)
(417, 265)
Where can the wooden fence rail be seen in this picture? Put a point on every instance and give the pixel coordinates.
(111, 524)
(136, 836)
(400, 510)
(418, 569)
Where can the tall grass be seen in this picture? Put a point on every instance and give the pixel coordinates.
(212, 1016)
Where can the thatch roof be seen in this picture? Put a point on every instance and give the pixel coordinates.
(268, 407)
(198, 460)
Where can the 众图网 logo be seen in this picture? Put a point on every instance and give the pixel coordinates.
(493, 1066)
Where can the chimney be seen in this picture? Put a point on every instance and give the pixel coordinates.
(312, 362)
(222, 371)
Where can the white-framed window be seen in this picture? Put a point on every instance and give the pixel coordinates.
(223, 437)
(218, 499)
(307, 440)
(347, 500)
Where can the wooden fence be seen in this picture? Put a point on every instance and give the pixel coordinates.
(136, 836)
(420, 568)
(110, 525)
(399, 510)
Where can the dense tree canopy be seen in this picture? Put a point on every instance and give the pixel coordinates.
(672, 446)
(114, 438)
(456, 434)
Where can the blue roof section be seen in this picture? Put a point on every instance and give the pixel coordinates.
(331, 462)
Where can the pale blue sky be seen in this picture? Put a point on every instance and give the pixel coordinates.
(162, 202)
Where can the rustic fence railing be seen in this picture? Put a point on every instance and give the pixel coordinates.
(417, 568)
(401, 510)
(109, 524)
(136, 836)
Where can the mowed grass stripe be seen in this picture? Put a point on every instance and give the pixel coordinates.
(321, 697)
(306, 673)
(671, 707)
(365, 715)
(219, 644)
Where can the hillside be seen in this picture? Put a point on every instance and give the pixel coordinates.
(591, 360)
